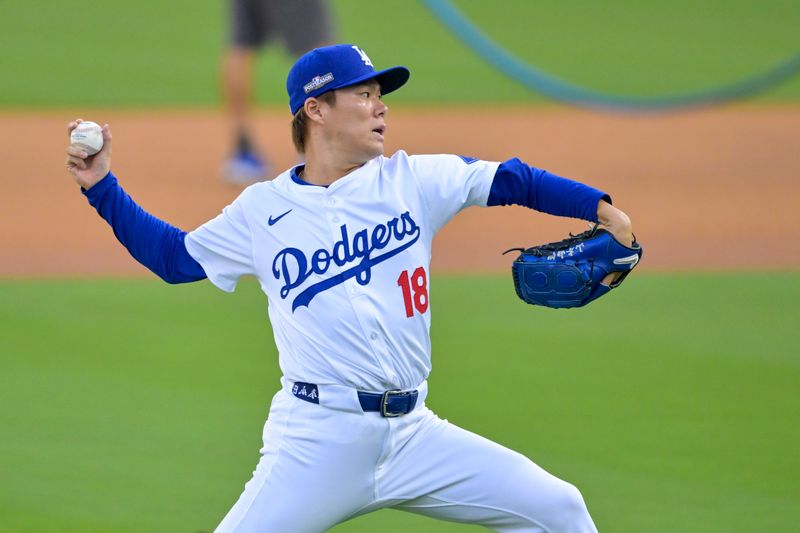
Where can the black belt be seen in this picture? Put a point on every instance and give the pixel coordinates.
(391, 403)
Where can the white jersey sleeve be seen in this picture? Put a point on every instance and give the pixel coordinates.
(224, 247)
(449, 183)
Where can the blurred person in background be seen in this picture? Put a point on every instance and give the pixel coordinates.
(300, 25)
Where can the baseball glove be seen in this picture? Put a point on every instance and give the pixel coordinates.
(569, 273)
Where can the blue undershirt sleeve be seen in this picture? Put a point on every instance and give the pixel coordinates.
(520, 184)
(151, 241)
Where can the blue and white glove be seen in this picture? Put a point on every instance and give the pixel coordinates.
(570, 273)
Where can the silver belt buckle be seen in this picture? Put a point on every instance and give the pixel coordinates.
(385, 403)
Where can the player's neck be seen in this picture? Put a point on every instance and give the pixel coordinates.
(324, 170)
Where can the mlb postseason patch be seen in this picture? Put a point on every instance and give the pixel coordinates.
(317, 82)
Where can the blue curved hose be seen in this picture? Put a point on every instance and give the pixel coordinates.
(558, 89)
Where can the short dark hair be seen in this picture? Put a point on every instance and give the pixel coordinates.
(300, 125)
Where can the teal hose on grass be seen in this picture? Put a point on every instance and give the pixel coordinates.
(558, 89)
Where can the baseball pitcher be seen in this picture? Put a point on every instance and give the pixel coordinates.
(341, 246)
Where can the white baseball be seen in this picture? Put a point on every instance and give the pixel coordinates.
(88, 136)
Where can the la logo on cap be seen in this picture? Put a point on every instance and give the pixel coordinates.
(364, 56)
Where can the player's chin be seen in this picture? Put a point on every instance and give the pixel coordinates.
(368, 154)
(375, 147)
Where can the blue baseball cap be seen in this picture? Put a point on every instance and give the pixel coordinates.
(333, 67)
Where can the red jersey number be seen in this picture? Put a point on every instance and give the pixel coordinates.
(415, 291)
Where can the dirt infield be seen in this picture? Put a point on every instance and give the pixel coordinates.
(708, 190)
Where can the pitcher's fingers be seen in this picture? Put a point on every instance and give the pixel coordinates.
(72, 124)
(77, 162)
(106, 135)
(74, 150)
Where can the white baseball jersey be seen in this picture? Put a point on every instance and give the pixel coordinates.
(345, 267)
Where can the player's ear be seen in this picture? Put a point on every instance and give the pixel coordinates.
(313, 109)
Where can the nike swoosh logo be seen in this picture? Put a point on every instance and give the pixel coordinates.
(272, 221)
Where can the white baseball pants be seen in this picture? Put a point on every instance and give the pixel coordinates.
(322, 465)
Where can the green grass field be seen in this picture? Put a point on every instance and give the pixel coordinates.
(130, 405)
(152, 53)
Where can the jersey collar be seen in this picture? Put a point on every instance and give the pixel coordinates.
(300, 181)
(294, 174)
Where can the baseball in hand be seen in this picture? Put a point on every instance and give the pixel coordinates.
(89, 136)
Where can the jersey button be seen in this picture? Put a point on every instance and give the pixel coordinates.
(335, 220)
(331, 201)
(373, 335)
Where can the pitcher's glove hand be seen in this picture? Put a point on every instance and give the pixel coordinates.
(570, 273)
